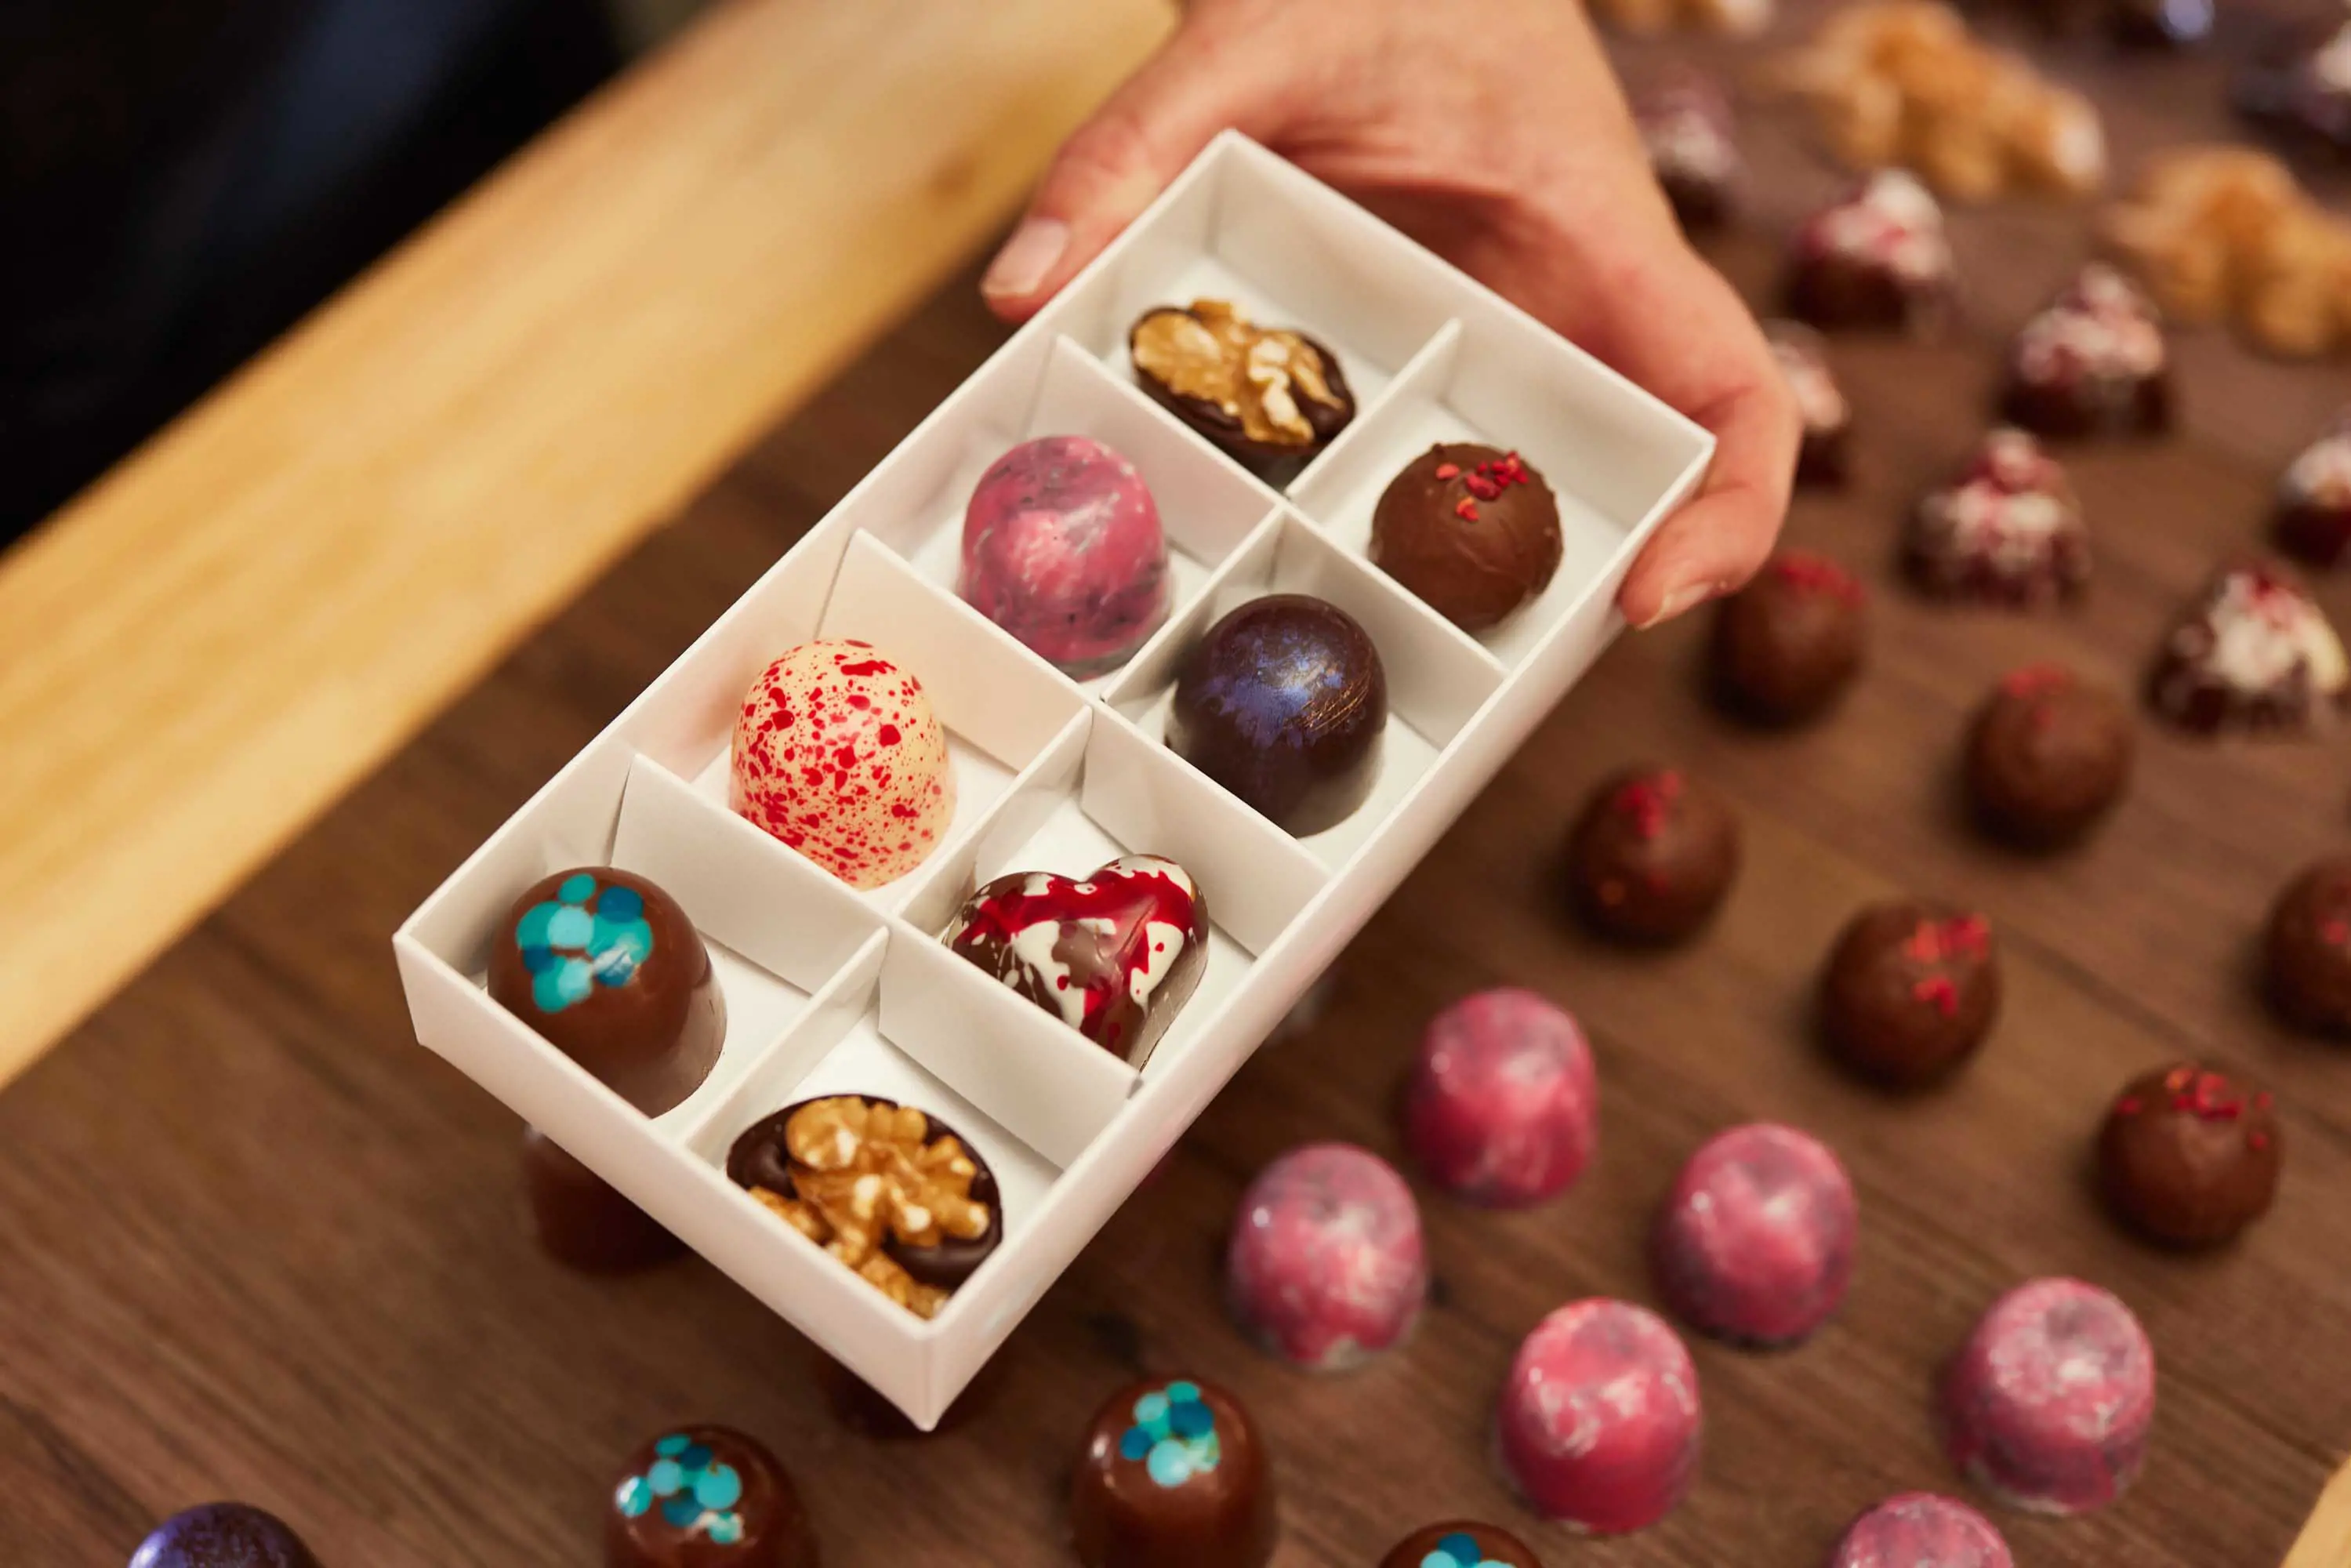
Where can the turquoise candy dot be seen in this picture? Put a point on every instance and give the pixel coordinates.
(634, 1498)
(1184, 1393)
(1170, 1463)
(530, 931)
(673, 1445)
(617, 950)
(666, 1476)
(724, 1528)
(570, 927)
(681, 1512)
(535, 960)
(695, 1457)
(1135, 1445)
(578, 888)
(1192, 1420)
(1207, 1451)
(1151, 1408)
(720, 1486)
(622, 904)
(561, 985)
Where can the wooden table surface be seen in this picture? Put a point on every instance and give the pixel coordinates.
(256, 1244)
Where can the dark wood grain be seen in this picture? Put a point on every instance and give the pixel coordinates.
(254, 1242)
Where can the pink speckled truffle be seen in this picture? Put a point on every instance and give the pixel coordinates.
(1598, 1424)
(838, 754)
(1755, 1242)
(1061, 548)
(1325, 1268)
(1503, 1107)
(1919, 1530)
(2048, 1403)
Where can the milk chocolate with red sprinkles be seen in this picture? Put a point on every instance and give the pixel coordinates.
(1652, 856)
(1910, 991)
(2008, 529)
(1473, 531)
(2188, 1156)
(2253, 653)
(2307, 953)
(2092, 363)
(1879, 261)
(2047, 756)
(1788, 644)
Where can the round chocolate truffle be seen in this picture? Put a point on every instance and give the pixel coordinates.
(2306, 952)
(1173, 1476)
(2252, 653)
(1788, 644)
(1755, 1243)
(2188, 1158)
(1652, 856)
(1687, 125)
(1285, 704)
(1599, 1420)
(706, 1496)
(1878, 260)
(838, 754)
(1803, 359)
(1910, 991)
(1461, 1543)
(1269, 398)
(1920, 1529)
(2047, 756)
(1503, 1107)
(1114, 956)
(2092, 363)
(939, 1216)
(608, 970)
(1325, 1268)
(2048, 1403)
(1471, 530)
(1061, 548)
(223, 1536)
(2007, 530)
(2313, 500)
(582, 1220)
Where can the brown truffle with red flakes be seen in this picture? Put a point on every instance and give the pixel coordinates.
(2307, 950)
(1472, 530)
(2007, 530)
(2253, 653)
(1910, 991)
(2188, 1158)
(1652, 856)
(2047, 756)
(1788, 644)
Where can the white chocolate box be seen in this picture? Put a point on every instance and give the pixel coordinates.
(829, 990)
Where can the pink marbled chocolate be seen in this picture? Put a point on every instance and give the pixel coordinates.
(1503, 1107)
(1599, 1421)
(2048, 1403)
(1062, 548)
(1755, 1243)
(1920, 1529)
(1325, 1268)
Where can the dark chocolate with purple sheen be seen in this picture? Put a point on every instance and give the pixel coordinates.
(1804, 360)
(1685, 125)
(1285, 704)
(2093, 362)
(1878, 260)
(1269, 397)
(2298, 88)
(805, 1172)
(2254, 653)
(1651, 855)
(1787, 645)
(2189, 1157)
(1114, 955)
(1461, 1543)
(608, 968)
(2048, 754)
(223, 1536)
(2306, 950)
(582, 1220)
(706, 1496)
(2312, 517)
(1172, 1474)
(1470, 529)
(2008, 529)
(1910, 991)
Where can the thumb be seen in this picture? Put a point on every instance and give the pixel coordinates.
(1118, 162)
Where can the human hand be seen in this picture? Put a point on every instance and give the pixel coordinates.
(1494, 133)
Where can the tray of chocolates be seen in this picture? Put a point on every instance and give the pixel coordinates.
(886, 942)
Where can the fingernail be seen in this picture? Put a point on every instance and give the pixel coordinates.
(1027, 259)
(1679, 600)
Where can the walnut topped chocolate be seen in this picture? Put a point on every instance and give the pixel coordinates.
(890, 1191)
(1270, 398)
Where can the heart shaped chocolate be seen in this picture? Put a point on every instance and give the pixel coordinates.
(1113, 957)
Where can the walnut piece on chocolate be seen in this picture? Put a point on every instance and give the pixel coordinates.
(1257, 392)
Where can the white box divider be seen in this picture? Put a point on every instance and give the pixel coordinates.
(832, 991)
